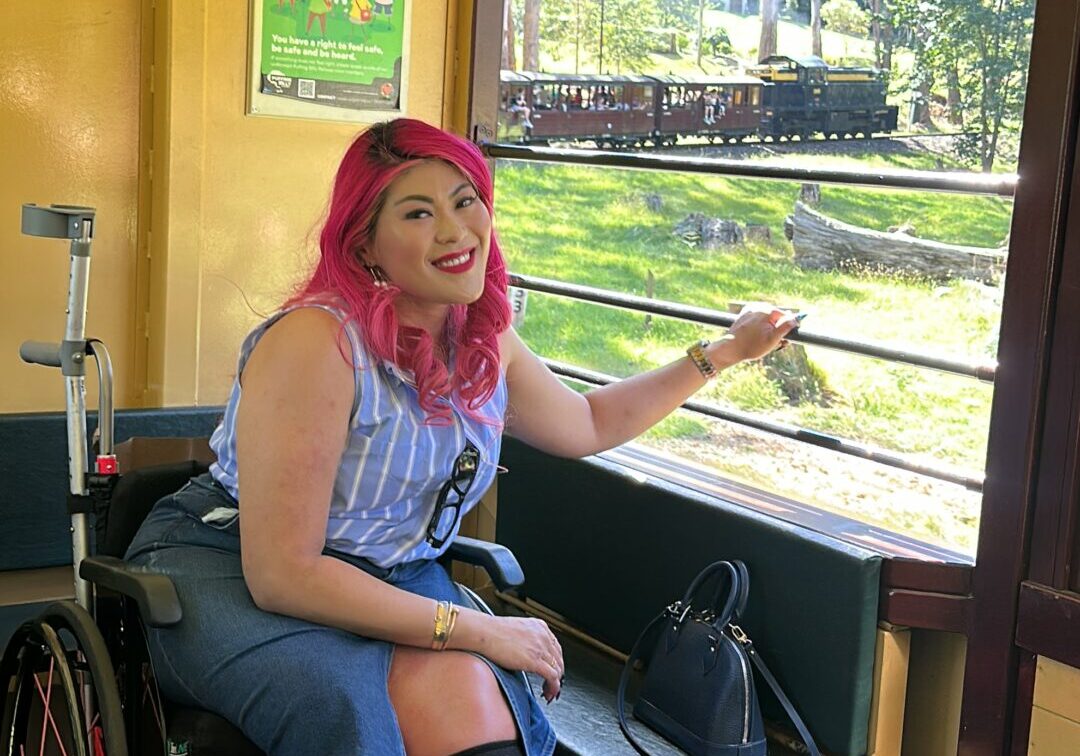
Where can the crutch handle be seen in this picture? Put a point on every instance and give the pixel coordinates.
(40, 353)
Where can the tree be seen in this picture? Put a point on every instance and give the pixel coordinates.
(700, 30)
(530, 30)
(628, 35)
(882, 31)
(770, 15)
(509, 54)
(573, 22)
(846, 17)
(815, 27)
(980, 48)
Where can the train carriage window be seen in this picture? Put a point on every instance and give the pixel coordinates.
(912, 394)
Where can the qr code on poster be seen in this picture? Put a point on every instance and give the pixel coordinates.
(305, 88)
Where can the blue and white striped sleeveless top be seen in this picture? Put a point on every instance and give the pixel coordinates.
(393, 465)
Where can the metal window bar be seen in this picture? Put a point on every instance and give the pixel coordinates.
(983, 372)
(993, 184)
(841, 445)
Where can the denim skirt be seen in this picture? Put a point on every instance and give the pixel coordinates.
(292, 686)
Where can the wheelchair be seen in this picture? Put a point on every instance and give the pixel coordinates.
(77, 679)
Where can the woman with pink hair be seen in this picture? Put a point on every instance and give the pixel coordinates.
(364, 421)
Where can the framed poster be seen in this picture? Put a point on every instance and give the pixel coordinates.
(337, 60)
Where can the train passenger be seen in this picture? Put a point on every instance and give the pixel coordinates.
(365, 419)
(709, 98)
(518, 105)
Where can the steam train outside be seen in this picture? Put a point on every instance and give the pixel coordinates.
(782, 98)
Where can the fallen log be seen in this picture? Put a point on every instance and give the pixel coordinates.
(823, 243)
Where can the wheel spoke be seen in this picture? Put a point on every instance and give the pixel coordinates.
(48, 714)
(46, 698)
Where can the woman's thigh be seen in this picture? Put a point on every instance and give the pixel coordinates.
(292, 686)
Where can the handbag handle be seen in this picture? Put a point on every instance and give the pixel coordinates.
(738, 591)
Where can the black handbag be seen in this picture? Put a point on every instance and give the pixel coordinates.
(699, 690)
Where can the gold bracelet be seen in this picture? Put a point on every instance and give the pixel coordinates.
(450, 626)
(441, 632)
(701, 361)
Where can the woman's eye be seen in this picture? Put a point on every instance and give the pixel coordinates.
(466, 201)
(417, 214)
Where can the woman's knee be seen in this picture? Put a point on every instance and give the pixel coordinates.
(447, 701)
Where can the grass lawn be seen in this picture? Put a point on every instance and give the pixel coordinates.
(592, 226)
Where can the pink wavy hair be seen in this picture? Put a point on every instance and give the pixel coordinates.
(375, 158)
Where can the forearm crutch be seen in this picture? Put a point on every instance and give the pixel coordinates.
(77, 224)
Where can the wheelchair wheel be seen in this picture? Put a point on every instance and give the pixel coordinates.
(60, 692)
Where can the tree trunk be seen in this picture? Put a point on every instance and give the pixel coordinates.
(921, 110)
(770, 13)
(815, 27)
(509, 54)
(577, 37)
(700, 30)
(530, 30)
(956, 107)
(875, 30)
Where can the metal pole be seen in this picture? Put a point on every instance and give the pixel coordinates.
(994, 184)
(75, 335)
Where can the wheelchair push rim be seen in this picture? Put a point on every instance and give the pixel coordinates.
(61, 694)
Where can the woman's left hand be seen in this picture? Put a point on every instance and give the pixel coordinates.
(758, 330)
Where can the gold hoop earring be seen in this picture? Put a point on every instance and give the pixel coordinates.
(378, 276)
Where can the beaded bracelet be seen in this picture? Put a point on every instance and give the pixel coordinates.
(696, 352)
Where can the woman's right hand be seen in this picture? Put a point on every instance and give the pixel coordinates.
(518, 643)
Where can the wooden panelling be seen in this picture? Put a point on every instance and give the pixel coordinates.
(1052, 735)
(891, 658)
(1049, 623)
(932, 611)
(1057, 689)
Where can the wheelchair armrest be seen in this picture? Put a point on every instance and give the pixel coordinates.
(499, 562)
(158, 603)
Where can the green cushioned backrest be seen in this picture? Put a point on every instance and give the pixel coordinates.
(609, 552)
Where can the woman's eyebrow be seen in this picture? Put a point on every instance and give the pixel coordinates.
(429, 200)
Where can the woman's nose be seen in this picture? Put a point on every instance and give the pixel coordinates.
(449, 230)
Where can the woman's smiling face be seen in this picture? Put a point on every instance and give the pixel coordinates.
(431, 239)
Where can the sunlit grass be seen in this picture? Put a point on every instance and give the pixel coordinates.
(590, 226)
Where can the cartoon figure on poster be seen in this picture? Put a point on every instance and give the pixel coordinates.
(359, 17)
(353, 58)
(385, 8)
(318, 9)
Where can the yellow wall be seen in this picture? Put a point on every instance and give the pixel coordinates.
(229, 201)
(70, 130)
(242, 194)
(1055, 716)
